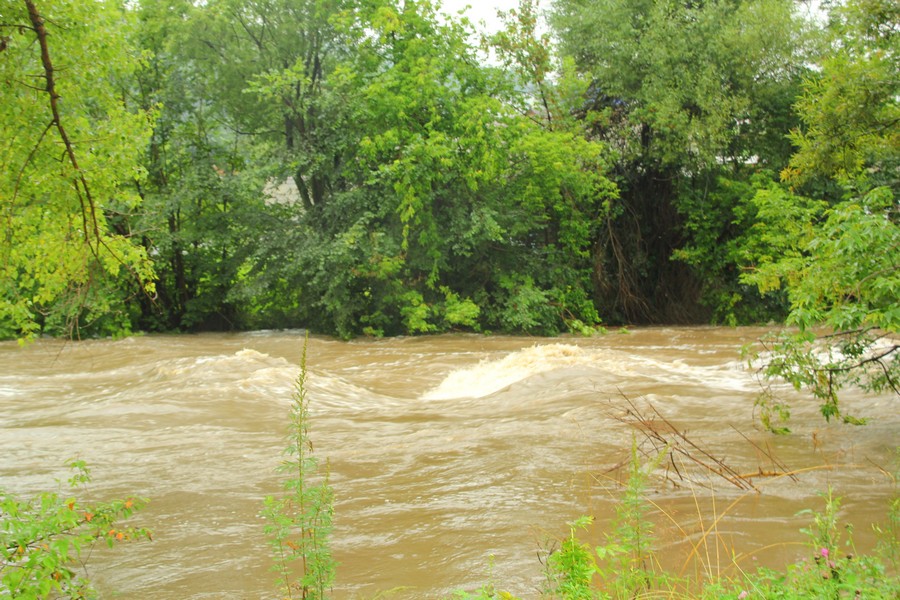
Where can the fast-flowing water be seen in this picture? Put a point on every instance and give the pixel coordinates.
(454, 458)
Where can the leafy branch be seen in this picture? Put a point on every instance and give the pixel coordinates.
(43, 538)
(824, 365)
(80, 184)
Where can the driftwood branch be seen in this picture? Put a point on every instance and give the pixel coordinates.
(663, 435)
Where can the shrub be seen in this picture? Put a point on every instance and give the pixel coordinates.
(45, 540)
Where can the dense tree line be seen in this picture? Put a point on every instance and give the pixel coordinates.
(376, 167)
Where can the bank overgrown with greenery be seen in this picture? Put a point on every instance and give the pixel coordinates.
(362, 167)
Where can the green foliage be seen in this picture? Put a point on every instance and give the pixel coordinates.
(445, 193)
(45, 541)
(69, 158)
(833, 569)
(850, 107)
(628, 563)
(299, 522)
(203, 201)
(625, 567)
(659, 69)
(614, 176)
(524, 307)
(728, 225)
(571, 569)
(838, 262)
(560, 181)
(693, 98)
(418, 186)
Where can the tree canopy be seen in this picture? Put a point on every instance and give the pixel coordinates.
(69, 158)
(839, 257)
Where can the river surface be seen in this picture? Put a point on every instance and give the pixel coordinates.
(454, 459)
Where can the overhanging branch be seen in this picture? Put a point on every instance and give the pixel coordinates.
(90, 224)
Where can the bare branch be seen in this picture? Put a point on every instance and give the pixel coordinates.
(870, 359)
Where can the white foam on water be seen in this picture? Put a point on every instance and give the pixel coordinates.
(491, 376)
(731, 375)
(253, 354)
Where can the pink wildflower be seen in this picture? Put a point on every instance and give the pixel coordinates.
(824, 552)
(743, 595)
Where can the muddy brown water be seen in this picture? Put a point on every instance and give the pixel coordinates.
(453, 458)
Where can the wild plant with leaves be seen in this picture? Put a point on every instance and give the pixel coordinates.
(45, 541)
(300, 520)
(839, 261)
(832, 568)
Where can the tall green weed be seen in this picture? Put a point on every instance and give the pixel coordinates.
(299, 521)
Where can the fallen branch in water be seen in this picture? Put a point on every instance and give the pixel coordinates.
(663, 436)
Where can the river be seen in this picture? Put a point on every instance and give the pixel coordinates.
(453, 458)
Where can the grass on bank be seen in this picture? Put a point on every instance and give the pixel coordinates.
(627, 565)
